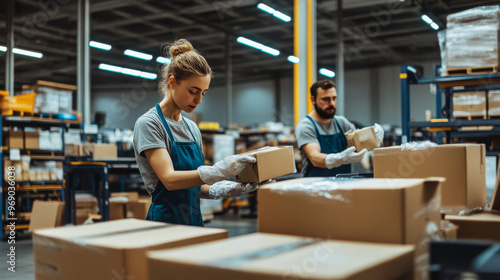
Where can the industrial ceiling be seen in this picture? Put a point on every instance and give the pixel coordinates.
(376, 33)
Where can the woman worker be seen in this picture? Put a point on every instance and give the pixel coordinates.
(168, 146)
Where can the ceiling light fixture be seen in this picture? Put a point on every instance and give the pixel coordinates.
(127, 71)
(293, 59)
(259, 46)
(163, 60)
(430, 22)
(98, 45)
(22, 52)
(139, 55)
(274, 12)
(326, 72)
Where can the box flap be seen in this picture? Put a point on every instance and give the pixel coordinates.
(481, 217)
(46, 214)
(268, 254)
(98, 229)
(153, 237)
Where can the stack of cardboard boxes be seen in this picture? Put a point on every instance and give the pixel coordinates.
(311, 228)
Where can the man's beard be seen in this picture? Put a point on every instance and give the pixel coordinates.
(323, 113)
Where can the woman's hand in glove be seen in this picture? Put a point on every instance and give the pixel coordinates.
(226, 168)
(226, 189)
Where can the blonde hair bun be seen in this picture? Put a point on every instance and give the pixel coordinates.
(179, 47)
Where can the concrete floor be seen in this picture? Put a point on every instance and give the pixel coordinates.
(232, 222)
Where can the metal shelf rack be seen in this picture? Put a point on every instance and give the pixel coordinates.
(447, 85)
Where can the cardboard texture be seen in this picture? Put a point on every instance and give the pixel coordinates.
(494, 103)
(469, 104)
(138, 209)
(116, 210)
(272, 162)
(14, 139)
(46, 214)
(282, 257)
(482, 226)
(463, 166)
(109, 250)
(398, 211)
(131, 196)
(364, 138)
(31, 140)
(448, 231)
(104, 151)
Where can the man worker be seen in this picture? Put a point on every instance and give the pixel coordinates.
(320, 136)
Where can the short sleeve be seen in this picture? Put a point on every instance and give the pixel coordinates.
(346, 124)
(305, 133)
(148, 135)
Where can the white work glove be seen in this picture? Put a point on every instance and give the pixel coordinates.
(380, 133)
(226, 189)
(226, 168)
(347, 156)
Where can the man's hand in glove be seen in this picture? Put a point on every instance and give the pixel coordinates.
(347, 156)
(380, 133)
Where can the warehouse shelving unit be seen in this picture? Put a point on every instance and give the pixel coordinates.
(448, 85)
(30, 189)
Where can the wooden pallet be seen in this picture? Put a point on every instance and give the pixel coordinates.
(471, 70)
(471, 118)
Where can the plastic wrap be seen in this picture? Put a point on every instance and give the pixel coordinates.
(469, 104)
(442, 47)
(417, 145)
(487, 14)
(326, 189)
(494, 103)
(472, 38)
(472, 45)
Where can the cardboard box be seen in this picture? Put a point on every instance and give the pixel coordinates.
(469, 104)
(137, 209)
(494, 103)
(277, 257)
(73, 150)
(46, 214)
(31, 140)
(448, 231)
(482, 226)
(18, 170)
(104, 151)
(463, 166)
(116, 210)
(271, 162)
(364, 138)
(14, 139)
(130, 196)
(109, 250)
(398, 211)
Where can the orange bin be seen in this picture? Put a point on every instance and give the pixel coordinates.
(24, 103)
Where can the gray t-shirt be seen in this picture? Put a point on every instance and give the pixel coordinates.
(305, 133)
(150, 133)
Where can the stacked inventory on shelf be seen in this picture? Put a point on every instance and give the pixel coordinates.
(34, 148)
(455, 129)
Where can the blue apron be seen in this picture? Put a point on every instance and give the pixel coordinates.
(178, 206)
(329, 143)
